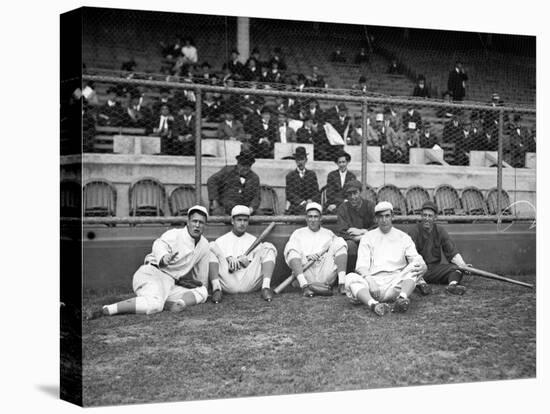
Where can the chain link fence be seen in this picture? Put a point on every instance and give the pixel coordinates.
(306, 88)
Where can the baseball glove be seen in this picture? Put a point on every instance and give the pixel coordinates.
(188, 283)
(320, 289)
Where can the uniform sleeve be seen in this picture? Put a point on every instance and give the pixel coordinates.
(363, 264)
(411, 253)
(292, 245)
(164, 245)
(447, 244)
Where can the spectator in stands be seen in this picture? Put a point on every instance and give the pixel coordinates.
(520, 142)
(314, 111)
(275, 76)
(452, 130)
(373, 133)
(251, 104)
(185, 126)
(355, 216)
(427, 139)
(488, 140)
(411, 119)
(490, 119)
(394, 148)
(189, 52)
(230, 128)
(301, 185)
(277, 56)
(263, 135)
(312, 133)
(168, 140)
(463, 144)
(338, 117)
(212, 106)
(205, 74)
(383, 131)
(252, 72)
(285, 133)
(171, 51)
(235, 185)
(138, 115)
(289, 106)
(256, 56)
(362, 85)
(265, 76)
(301, 82)
(336, 181)
(234, 65)
(412, 140)
(112, 112)
(337, 56)
(456, 84)
(394, 68)
(362, 57)
(391, 117)
(316, 80)
(164, 99)
(420, 89)
(447, 112)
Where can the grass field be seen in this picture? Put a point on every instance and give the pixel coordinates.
(247, 347)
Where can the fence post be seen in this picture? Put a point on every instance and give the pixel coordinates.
(499, 166)
(198, 148)
(364, 145)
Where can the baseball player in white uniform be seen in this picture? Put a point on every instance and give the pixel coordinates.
(388, 266)
(306, 243)
(174, 275)
(233, 272)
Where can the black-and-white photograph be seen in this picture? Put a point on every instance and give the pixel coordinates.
(259, 205)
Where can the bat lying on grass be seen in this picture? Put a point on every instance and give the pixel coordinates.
(490, 275)
(289, 279)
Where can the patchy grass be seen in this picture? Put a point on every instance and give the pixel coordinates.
(247, 347)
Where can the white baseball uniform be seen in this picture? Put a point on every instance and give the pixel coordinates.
(304, 242)
(157, 285)
(384, 261)
(246, 279)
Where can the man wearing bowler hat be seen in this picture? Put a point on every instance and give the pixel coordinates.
(233, 272)
(430, 239)
(174, 275)
(301, 185)
(235, 185)
(307, 244)
(355, 217)
(388, 266)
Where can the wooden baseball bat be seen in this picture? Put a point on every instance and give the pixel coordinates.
(490, 275)
(260, 239)
(289, 279)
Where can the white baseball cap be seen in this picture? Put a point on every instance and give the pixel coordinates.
(198, 209)
(239, 210)
(383, 206)
(314, 206)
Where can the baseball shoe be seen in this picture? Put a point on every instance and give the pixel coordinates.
(95, 314)
(174, 306)
(455, 289)
(217, 296)
(424, 289)
(401, 304)
(267, 294)
(342, 289)
(307, 292)
(380, 308)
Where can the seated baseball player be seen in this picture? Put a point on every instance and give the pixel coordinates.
(231, 270)
(388, 266)
(430, 239)
(319, 245)
(175, 273)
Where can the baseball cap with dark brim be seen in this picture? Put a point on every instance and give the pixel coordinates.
(383, 206)
(314, 206)
(240, 210)
(198, 209)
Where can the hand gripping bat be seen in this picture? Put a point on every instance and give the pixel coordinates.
(260, 239)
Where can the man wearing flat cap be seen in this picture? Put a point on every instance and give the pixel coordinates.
(320, 245)
(174, 275)
(233, 272)
(430, 239)
(355, 217)
(388, 266)
(235, 185)
(336, 180)
(302, 186)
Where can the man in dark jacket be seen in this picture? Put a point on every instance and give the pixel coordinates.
(456, 83)
(336, 181)
(430, 239)
(301, 185)
(235, 185)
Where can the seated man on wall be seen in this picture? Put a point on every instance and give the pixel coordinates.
(388, 266)
(307, 244)
(429, 239)
(230, 128)
(301, 185)
(336, 180)
(235, 185)
(175, 273)
(233, 272)
(355, 217)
